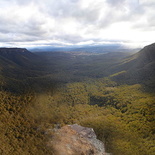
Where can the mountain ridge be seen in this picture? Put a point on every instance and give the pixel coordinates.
(137, 68)
(21, 64)
(65, 88)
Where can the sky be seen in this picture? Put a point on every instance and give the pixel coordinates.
(30, 23)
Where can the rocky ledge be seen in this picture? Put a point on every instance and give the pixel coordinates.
(76, 140)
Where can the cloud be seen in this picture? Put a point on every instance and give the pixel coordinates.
(76, 21)
(115, 3)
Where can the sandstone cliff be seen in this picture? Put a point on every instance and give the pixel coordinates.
(76, 140)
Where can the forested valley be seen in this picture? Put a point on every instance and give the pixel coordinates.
(113, 93)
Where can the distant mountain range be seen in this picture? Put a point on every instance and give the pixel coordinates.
(91, 48)
(19, 64)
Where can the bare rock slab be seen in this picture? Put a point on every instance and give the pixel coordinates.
(76, 140)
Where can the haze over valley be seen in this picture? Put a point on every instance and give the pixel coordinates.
(77, 77)
(111, 92)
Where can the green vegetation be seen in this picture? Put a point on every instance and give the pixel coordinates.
(124, 120)
(66, 90)
(19, 133)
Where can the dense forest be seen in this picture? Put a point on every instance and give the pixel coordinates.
(110, 92)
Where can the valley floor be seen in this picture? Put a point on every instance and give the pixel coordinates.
(122, 117)
(66, 88)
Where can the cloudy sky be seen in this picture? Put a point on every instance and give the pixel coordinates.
(76, 22)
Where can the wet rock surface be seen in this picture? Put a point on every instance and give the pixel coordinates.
(76, 140)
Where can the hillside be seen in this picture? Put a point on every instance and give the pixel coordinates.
(19, 56)
(17, 67)
(137, 68)
(40, 91)
(15, 58)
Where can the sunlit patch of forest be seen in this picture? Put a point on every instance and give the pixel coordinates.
(122, 115)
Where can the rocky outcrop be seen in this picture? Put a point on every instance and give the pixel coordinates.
(76, 140)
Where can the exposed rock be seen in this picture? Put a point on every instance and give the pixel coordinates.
(76, 140)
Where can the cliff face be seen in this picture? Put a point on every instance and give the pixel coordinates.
(20, 56)
(76, 140)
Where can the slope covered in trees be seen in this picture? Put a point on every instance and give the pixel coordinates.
(66, 88)
(137, 68)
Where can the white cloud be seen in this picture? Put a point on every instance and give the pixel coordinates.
(76, 21)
